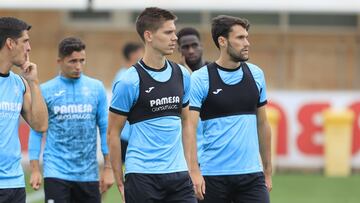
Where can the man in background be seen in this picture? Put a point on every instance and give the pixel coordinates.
(77, 106)
(132, 53)
(191, 51)
(190, 48)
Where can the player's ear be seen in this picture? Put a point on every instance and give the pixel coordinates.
(148, 36)
(59, 60)
(222, 41)
(9, 43)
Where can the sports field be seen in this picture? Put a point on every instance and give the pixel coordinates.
(288, 188)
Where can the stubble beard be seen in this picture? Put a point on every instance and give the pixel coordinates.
(235, 56)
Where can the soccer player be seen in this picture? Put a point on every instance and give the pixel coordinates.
(77, 105)
(192, 57)
(153, 96)
(229, 95)
(132, 52)
(191, 48)
(18, 95)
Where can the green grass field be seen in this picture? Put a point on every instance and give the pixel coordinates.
(290, 188)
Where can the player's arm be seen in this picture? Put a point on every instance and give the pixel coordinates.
(34, 110)
(34, 155)
(189, 140)
(106, 178)
(264, 133)
(125, 93)
(263, 127)
(199, 182)
(115, 126)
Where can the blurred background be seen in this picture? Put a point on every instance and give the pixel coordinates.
(308, 49)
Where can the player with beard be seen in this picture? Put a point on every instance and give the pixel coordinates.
(229, 95)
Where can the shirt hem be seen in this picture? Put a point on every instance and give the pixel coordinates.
(219, 173)
(145, 171)
(12, 186)
(72, 179)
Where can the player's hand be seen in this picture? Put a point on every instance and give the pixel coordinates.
(199, 184)
(35, 179)
(121, 189)
(106, 180)
(29, 70)
(268, 182)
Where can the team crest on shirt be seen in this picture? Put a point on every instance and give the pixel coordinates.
(85, 91)
(59, 93)
(16, 90)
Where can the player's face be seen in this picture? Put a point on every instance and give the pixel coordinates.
(190, 47)
(164, 39)
(238, 44)
(72, 66)
(21, 49)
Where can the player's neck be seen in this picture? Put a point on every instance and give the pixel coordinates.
(5, 65)
(198, 65)
(154, 59)
(227, 63)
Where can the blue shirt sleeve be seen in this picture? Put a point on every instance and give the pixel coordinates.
(199, 88)
(259, 78)
(187, 85)
(102, 117)
(125, 92)
(120, 72)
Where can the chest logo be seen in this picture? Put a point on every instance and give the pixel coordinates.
(149, 90)
(217, 91)
(85, 91)
(60, 93)
(16, 90)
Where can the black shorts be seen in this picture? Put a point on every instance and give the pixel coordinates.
(64, 191)
(247, 188)
(12, 195)
(124, 145)
(159, 188)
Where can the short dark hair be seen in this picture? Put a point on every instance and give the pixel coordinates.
(187, 31)
(151, 19)
(222, 24)
(11, 27)
(68, 45)
(130, 48)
